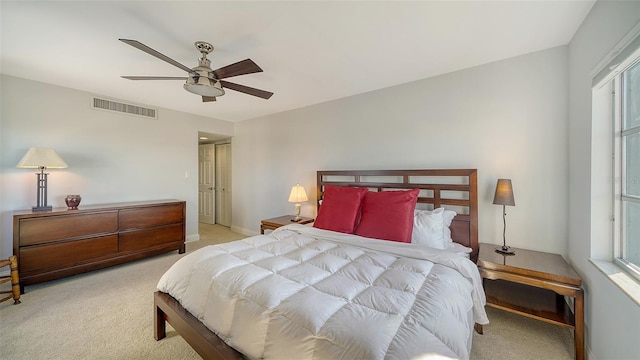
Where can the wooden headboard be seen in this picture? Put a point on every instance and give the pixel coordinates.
(455, 189)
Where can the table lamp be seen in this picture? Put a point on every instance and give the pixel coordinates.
(41, 158)
(504, 196)
(297, 196)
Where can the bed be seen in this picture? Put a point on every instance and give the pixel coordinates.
(312, 292)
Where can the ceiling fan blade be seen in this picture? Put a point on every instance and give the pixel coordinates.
(243, 67)
(140, 46)
(245, 89)
(208, 98)
(155, 77)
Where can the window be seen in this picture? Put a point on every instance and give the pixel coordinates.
(626, 101)
(615, 165)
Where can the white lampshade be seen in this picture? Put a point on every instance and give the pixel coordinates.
(38, 157)
(298, 194)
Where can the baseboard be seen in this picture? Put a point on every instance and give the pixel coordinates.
(192, 237)
(589, 354)
(243, 231)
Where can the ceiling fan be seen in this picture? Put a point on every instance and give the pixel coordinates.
(201, 79)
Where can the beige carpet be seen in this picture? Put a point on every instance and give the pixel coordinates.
(107, 314)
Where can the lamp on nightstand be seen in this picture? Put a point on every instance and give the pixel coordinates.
(297, 196)
(504, 196)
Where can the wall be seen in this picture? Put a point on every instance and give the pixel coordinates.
(613, 320)
(112, 157)
(507, 119)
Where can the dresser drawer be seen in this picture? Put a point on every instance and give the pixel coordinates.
(54, 228)
(149, 238)
(65, 254)
(150, 217)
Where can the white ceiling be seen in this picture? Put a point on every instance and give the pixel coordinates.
(311, 52)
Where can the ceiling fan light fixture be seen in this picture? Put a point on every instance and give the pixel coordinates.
(205, 87)
(201, 80)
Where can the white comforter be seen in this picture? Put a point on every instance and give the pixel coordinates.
(307, 293)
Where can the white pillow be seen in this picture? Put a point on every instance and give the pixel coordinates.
(429, 228)
(448, 218)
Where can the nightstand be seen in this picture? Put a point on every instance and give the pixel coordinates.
(534, 284)
(272, 224)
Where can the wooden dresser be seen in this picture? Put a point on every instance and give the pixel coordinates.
(53, 244)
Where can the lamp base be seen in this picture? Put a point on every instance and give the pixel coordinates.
(505, 250)
(41, 208)
(297, 217)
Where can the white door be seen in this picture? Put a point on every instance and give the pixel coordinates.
(223, 184)
(206, 184)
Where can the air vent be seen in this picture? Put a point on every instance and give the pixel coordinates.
(111, 105)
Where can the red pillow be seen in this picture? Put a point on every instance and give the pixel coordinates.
(340, 208)
(388, 215)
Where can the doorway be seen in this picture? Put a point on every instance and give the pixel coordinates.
(206, 184)
(223, 184)
(214, 179)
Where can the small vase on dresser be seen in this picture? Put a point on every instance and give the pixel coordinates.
(72, 201)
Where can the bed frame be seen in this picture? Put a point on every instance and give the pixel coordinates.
(456, 189)
(451, 188)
